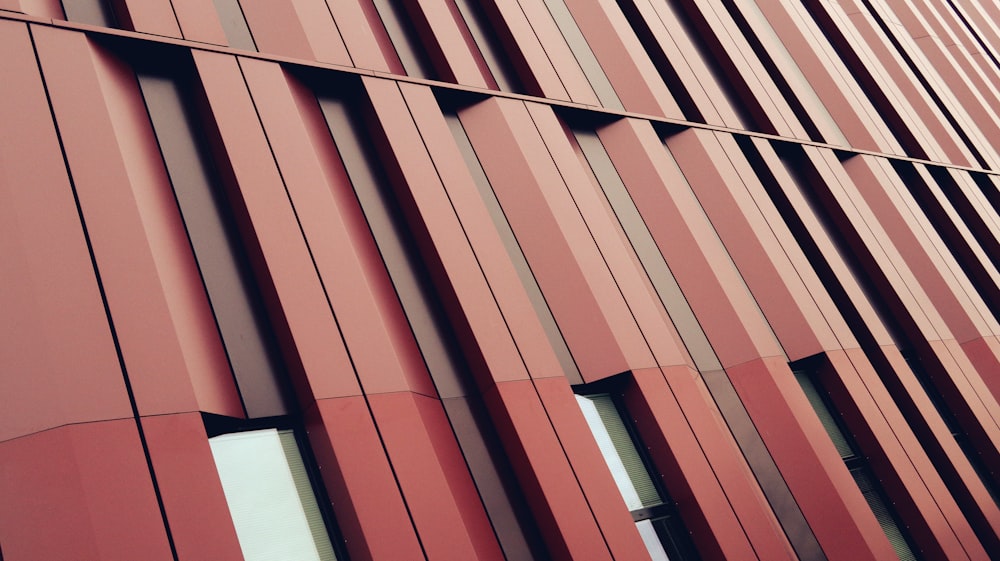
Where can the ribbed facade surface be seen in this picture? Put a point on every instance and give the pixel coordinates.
(499, 280)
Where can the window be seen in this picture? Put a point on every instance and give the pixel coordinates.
(270, 496)
(858, 467)
(654, 513)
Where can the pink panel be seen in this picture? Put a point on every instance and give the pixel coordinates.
(727, 461)
(292, 287)
(321, 31)
(590, 469)
(623, 59)
(558, 52)
(370, 512)
(79, 492)
(689, 243)
(42, 8)
(551, 489)
(533, 66)
(369, 315)
(59, 357)
(499, 271)
(790, 310)
(199, 21)
(440, 495)
(438, 231)
(135, 231)
(811, 466)
(364, 36)
(186, 476)
(606, 231)
(301, 28)
(898, 459)
(687, 474)
(588, 307)
(148, 16)
(454, 52)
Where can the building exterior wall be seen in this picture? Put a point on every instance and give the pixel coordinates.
(413, 231)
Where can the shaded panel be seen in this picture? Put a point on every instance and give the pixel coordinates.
(435, 482)
(57, 351)
(366, 499)
(193, 501)
(165, 329)
(220, 255)
(80, 492)
(491, 470)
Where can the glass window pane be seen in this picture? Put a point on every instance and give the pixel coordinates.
(270, 499)
(652, 540)
(619, 451)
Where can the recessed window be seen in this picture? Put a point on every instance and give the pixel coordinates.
(271, 500)
(653, 512)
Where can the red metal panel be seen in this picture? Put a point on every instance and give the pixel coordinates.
(733, 46)
(58, 354)
(482, 329)
(812, 468)
(189, 486)
(936, 524)
(439, 493)
(709, 168)
(528, 55)
(199, 21)
(731, 470)
(450, 46)
(41, 8)
(838, 90)
(148, 16)
(369, 315)
(577, 285)
(560, 508)
(79, 492)
(364, 36)
(276, 28)
(170, 347)
(606, 231)
(510, 294)
(590, 469)
(825, 245)
(623, 59)
(558, 52)
(370, 512)
(691, 246)
(292, 289)
(686, 473)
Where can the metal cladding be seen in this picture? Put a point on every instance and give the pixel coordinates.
(506, 280)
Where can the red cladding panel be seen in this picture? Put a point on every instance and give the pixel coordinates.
(56, 348)
(292, 288)
(589, 308)
(199, 21)
(79, 492)
(553, 494)
(498, 269)
(148, 16)
(434, 479)
(186, 476)
(135, 231)
(590, 469)
(432, 218)
(687, 474)
(370, 511)
(374, 328)
(837, 513)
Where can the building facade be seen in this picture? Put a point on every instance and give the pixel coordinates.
(522, 280)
